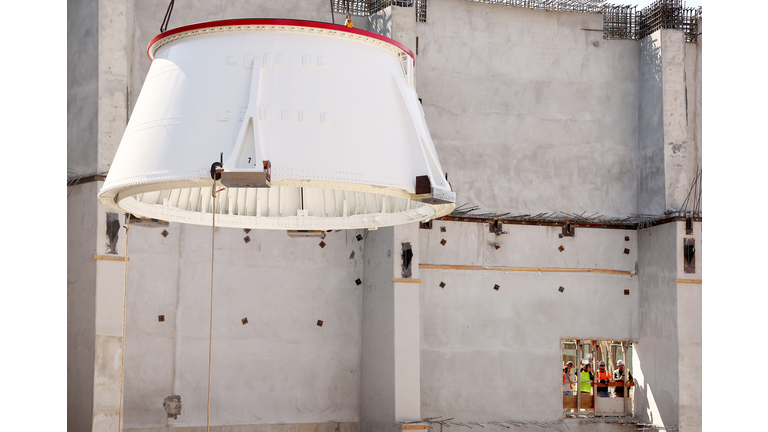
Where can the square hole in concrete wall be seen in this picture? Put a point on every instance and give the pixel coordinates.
(607, 396)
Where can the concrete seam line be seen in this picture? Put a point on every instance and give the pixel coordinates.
(523, 269)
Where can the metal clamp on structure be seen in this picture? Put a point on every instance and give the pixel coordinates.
(427, 193)
(248, 179)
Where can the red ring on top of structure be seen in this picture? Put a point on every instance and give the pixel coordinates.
(275, 22)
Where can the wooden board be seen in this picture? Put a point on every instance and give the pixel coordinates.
(109, 258)
(569, 402)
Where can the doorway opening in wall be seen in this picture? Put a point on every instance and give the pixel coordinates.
(597, 377)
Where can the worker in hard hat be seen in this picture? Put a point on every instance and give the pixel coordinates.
(618, 375)
(586, 379)
(603, 377)
(569, 379)
(348, 22)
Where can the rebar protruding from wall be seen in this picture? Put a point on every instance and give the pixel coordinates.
(669, 14)
(370, 7)
(623, 21)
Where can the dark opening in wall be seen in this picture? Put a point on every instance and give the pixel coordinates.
(689, 255)
(113, 228)
(406, 259)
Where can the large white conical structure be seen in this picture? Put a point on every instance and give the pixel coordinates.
(316, 126)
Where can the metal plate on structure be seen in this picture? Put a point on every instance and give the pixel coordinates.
(438, 196)
(244, 179)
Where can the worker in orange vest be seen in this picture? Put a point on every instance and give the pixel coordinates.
(603, 377)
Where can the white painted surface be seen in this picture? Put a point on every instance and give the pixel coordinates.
(255, 91)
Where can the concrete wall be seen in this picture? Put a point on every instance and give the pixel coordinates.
(679, 153)
(527, 114)
(113, 70)
(669, 120)
(82, 84)
(650, 131)
(81, 305)
(377, 403)
(689, 335)
(495, 355)
(656, 353)
(110, 291)
(281, 367)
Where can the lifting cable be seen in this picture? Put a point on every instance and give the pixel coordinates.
(164, 24)
(125, 297)
(214, 192)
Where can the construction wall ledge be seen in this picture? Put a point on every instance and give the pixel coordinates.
(86, 179)
(583, 423)
(522, 269)
(406, 280)
(285, 427)
(692, 281)
(605, 224)
(110, 258)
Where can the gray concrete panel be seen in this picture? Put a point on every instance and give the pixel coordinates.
(377, 395)
(528, 246)
(689, 333)
(113, 71)
(527, 113)
(492, 355)
(656, 354)
(81, 304)
(82, 84)
(650, 132)
(679, 154)
(292, 427)
(281, 366)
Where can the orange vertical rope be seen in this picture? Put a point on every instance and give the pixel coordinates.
(125, 298)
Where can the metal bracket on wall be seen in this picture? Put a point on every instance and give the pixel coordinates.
(496, 227)
(568, 230)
